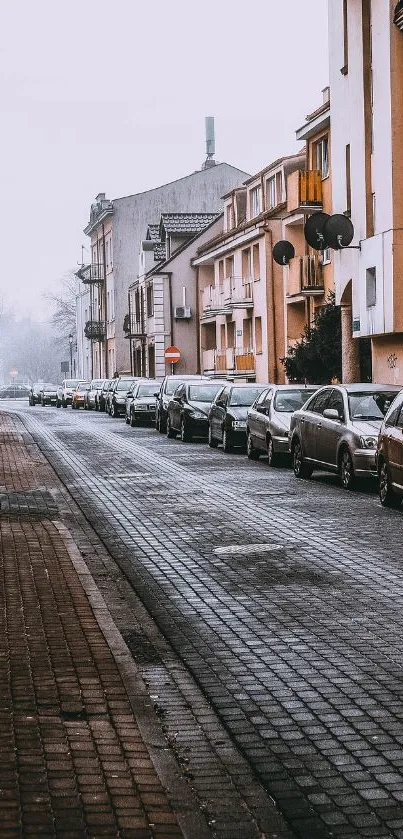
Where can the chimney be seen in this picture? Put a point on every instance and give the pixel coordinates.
(210, 143)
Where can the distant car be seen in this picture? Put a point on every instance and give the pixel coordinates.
(65, 392)
(14, 391)
(48, 394)
(390, 455)
(143, 402)
(337, 430)
(189, 407)
(34, 395)
(117, 396)
(167, 387)
(78, 400)
(103, 392)
(268, 420)
(91, 393)
(227, 415)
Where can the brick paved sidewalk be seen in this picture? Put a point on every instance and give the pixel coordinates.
(73, 761)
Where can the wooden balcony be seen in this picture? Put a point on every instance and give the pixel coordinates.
(304, 191)
(244, 360)
(305, 276)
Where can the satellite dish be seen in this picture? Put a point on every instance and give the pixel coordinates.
(338, 231)
(313, 231)
(283, 251)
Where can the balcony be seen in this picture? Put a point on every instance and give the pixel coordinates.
(238, 361)
(94, 330)
(305, 276)
(133, 328)
(91, 274)
(304, 191)
(233, 293)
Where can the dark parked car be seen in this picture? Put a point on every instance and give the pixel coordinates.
(337, 430)
(15, 391)
(140, 406)
(117, 396)
(168, 385)
(227, 416)
(189, 407)
(268, 420)
(48, 394)
(390, 455)
(103, 394)
(91, 393)
(34, 396)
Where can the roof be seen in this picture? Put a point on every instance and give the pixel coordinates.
(178, 251)
(153, 231)
(186, 223)
(159, 252)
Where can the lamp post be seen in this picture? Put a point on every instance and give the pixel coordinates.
(71, 355)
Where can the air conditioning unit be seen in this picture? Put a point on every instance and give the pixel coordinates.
(182, 313)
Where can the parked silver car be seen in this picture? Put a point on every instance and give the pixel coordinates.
(268, 420)
(91, 394)
(337, 430)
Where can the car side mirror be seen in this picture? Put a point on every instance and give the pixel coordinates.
(156, 395)
(332, 414)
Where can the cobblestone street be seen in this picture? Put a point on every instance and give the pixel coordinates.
(264, 615)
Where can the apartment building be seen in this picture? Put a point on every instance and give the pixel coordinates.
(116, 229)
(308, 278)
(163, 306)
(366, 72)
(241, 288)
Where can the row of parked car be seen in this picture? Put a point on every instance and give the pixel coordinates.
(353, 430)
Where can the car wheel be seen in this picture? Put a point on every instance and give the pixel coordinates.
(250, 449)
(213, 443)
(271, 454)
(170, 431)
(301, 469)
(127, 419)
(388, 497)
(185, 436)
(132, 419)
(64, 403)
(58, 404)
(226, 444)
(347, 470)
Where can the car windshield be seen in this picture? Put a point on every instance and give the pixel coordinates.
(48, 386)
(287, 401)
(147, 390)
(97, 383)
(172, 384)
(71, 382)
(83, 385)
(244, 396)
(370, 406)
(124, 384)
(203, 393)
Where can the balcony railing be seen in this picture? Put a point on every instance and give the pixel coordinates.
(94, 330)
(91, 273)
(305, 276)
(231, 361)
(304, 191)
(234, 292)
(133, 327)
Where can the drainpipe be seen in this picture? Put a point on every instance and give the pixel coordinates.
(197, 315)
(105, 301)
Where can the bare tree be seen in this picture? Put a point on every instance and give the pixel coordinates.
(63, 305)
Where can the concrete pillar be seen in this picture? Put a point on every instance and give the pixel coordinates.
(350, 349)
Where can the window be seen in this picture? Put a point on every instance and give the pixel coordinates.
(255, 201)
(221, 272)
(391, 419)
(256, 262)
(258, 335)
(244, 396)
(279, 187)
(399, 422)
(322, 156)
(229, 215)
(271, 193)
(370, 406)
(348, 179)
(231, 334)
(261, 400)
(288, 401)
(319, 402)
(150, 301)
(337, 403)
(371, 287)
(246, 264)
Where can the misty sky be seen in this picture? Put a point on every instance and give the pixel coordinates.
(111, 97)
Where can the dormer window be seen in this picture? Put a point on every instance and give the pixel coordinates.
(274, 191)
(230, 217)
(255, 201)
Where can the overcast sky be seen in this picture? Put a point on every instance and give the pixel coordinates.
(101, 96)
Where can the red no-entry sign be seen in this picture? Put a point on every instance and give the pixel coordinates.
(172, 355)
